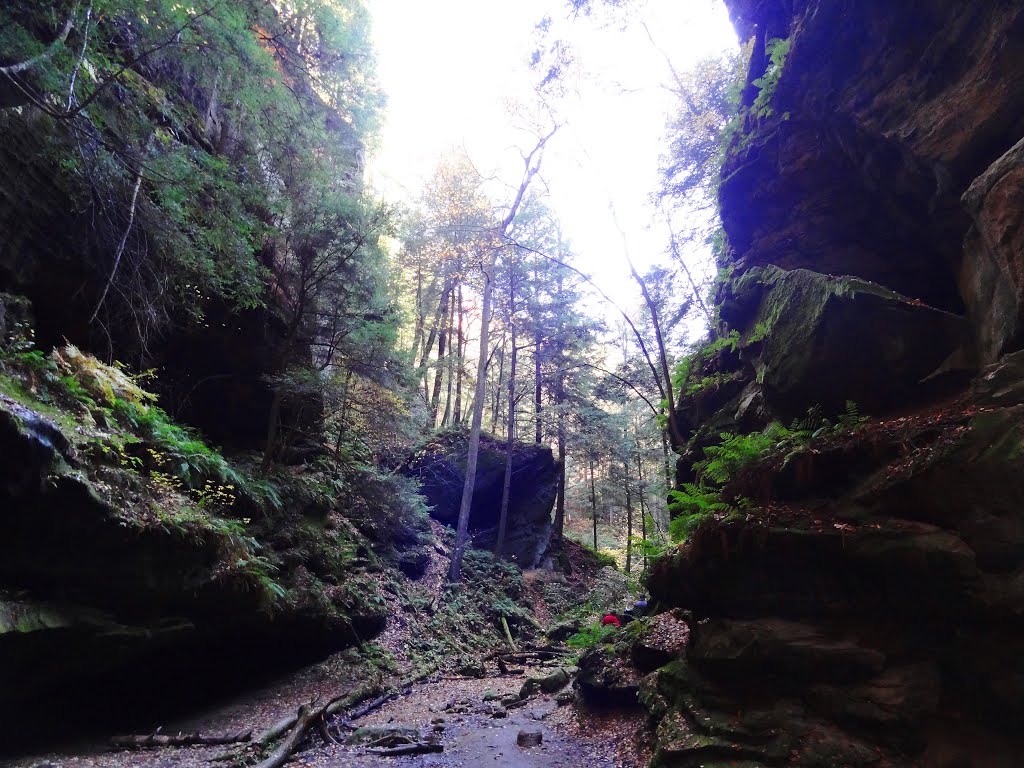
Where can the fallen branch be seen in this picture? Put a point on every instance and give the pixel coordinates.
(153, 740)
(372, 706)
(334, 706)
(408, 749)
(504, 625)
(307, 716)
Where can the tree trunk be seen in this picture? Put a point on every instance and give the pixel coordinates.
(629, 516)
(643, 506)
(460, 363)
(593, 500)
(462, 534)
(449, 365)
(421, 317)
(668, 462)
(560, 498)
(442, 346)
(537, 406)
(496, 400)
(499, 547)
(429, 344)
(273, 421)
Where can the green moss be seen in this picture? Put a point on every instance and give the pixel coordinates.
(1000, 436)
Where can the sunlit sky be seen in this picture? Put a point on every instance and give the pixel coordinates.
(451, 67)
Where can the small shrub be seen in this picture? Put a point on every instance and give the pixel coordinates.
(592, 636)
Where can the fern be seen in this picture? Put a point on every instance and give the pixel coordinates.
(690, 506)
(777, 50)
(592, 636)
(811, 422)
(735, 453)
(850, 420)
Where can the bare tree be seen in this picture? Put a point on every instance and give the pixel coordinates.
(531, 166)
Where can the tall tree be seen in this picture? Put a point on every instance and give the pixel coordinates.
(531, 163)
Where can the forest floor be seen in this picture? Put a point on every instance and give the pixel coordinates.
(464, 717)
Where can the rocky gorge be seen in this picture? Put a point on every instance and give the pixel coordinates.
(861, 604)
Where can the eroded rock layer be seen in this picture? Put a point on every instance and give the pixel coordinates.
(863, 605)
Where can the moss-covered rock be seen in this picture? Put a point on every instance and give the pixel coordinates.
(825, 340)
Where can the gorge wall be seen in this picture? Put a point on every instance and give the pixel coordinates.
(863, 607)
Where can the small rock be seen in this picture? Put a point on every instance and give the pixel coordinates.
(565, 697)
(472, 669)
(529, 738)
(546, 683)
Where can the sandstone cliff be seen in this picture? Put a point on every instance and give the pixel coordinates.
(863, 606)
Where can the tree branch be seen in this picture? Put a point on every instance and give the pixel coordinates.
(14, 69)
(121, 245)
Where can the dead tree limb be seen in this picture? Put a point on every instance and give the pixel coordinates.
(153, 740)
(407, 749)
(309, 715)
(333, 707)
(121, 245)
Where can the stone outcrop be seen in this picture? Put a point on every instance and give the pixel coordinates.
(860, 167)
(440, 469)
(992, 276)
(868, 611)
(97, 600)
(863, 606)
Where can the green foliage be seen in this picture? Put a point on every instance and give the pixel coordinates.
(592, 636)
(850, 420)
(654, 544)
(602, 558)
(701, 128)
(690, 506)
(735, 453)
(243, 124)
(689, 367)
(777, 50)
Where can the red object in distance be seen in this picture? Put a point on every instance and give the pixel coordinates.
(610, 620)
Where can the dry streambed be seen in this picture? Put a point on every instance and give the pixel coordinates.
(522, 718)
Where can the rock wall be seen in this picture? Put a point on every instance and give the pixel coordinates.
(112, 604)
(865, 607)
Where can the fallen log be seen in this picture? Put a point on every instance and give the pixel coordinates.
(307, 716)
(155, 740)
(334, 706)
(407, 749)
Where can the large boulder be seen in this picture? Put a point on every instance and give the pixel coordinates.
(440, 468)
(859, 608)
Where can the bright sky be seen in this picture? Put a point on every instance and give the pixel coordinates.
(450, 68)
